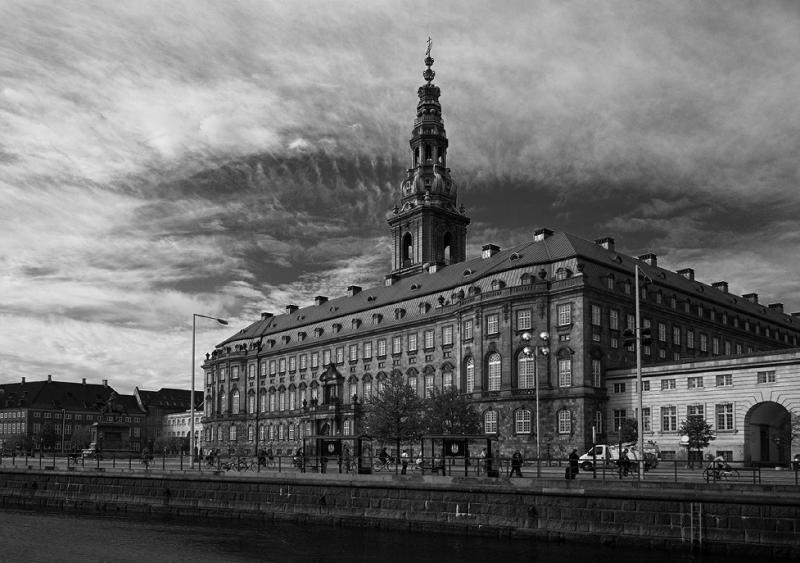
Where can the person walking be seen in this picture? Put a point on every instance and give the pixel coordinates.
(516, 464)
(573, 463)
(404, 462)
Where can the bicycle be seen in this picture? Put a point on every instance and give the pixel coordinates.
(720, 474)
(379, 464)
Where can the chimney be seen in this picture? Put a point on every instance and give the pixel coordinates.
(721, 285)
(687, 273)
(541, 234)
(105, 383)
(265, 316)
(751, 297)
(389, 280)
(489, 250)
(83, 381)
(606, 242)
(49, 377)
(650, 259)
(353, 290)
(23, 379)
(319, 300)
(777, 307)
(291, 309)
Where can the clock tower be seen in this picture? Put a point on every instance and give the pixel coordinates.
(427, 226)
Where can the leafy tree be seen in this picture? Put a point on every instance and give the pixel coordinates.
(699, 432)
(448, 412)
(81, 436)
(395, 412)
(628, 430)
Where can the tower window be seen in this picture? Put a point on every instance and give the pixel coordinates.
(447, 244)
(428, 153)
(408, 250)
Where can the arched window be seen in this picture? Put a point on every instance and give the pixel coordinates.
(232, 433)
(522, 421)
(564, 422)
(447, 378)
(235, 401)
(262, 433)
(272, 401)
(407, 248)
(526, 371)
(251, 433)
(271, 432)
(447, 247)
(493, 372)
(470, 378)
(282, 400)
(490, 422)
(223, 408)
(208, 405)
(565, 372)
(367, 387)
(281, 432)
(251, 402)
(292, 398)
(262, 400)
(412, 382)
(302, 398)
(291, 431)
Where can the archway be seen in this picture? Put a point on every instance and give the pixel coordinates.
(767, 435)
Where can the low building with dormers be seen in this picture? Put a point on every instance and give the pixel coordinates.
(442, 320)
(748, 401)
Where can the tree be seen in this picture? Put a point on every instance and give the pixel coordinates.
(448, 412)
(395, 412)
(699, 432)
(628, 430)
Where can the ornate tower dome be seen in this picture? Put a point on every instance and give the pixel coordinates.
(427, 226)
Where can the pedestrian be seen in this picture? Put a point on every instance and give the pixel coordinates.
(516, 464)
(482, 461)
(573, 463)
(404, 462)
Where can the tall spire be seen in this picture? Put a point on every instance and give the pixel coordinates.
(426, 224)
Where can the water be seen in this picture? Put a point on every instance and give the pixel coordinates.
(47, 537)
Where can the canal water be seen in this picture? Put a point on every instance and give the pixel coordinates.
(47, 537)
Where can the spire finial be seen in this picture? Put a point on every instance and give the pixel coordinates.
(429, 73)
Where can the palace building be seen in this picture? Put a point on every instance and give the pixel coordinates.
(443, 320)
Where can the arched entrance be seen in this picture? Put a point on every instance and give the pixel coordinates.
(767, 435)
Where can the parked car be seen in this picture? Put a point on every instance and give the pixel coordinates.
(91, 452)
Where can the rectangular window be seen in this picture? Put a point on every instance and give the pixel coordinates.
(428, 385)
(382, 348)
(251, 371)
(367, 350)
(353, 352)
(315, 360)
(282, 365)
(596, 313)
(293, 363)
(727, 347)
(619, 417)
(264, 368)
(397, 344)
(613, 319)
(690, 339)
(715, 346)
(619, 388)
(412, 342)
(724, 380)
(303, 361)
(662, 332)
(234, 372)
(564, 314)
(703, 342)
(646, 419)
(676, 336)
(428, 336)
(724, 414)
(492, 323)
(468, 330)
(765, 377)
(645, 385)
(447, 335)
(598, 421)
(667, 384)
(630, 321)
(565, 372)
(669, 419)
(524, 319)
(597, 373)
(326, 358)
(694, 382)
(695, 410)
(273, 367)
(339, 354)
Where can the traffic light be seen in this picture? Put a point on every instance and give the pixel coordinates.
(647, 336)
(628, 337)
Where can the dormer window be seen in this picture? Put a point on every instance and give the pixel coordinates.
(498, 284)
(336, 327)
(318, 331)
(285, 339)
(377, 318)
(301, 336)
(468, 272)
(563, 273)
(515, 256)
(399, 313)
(355, 323)
(424, 307)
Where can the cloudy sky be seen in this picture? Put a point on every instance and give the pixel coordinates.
(159, 159)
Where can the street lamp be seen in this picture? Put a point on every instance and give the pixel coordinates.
(534, 351)
(191, 399)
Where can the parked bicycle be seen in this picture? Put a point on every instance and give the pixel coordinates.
(726, 473)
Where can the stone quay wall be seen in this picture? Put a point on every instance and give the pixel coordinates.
(719, 518)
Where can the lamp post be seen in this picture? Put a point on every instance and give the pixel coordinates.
(191, 398)
(534, 351)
